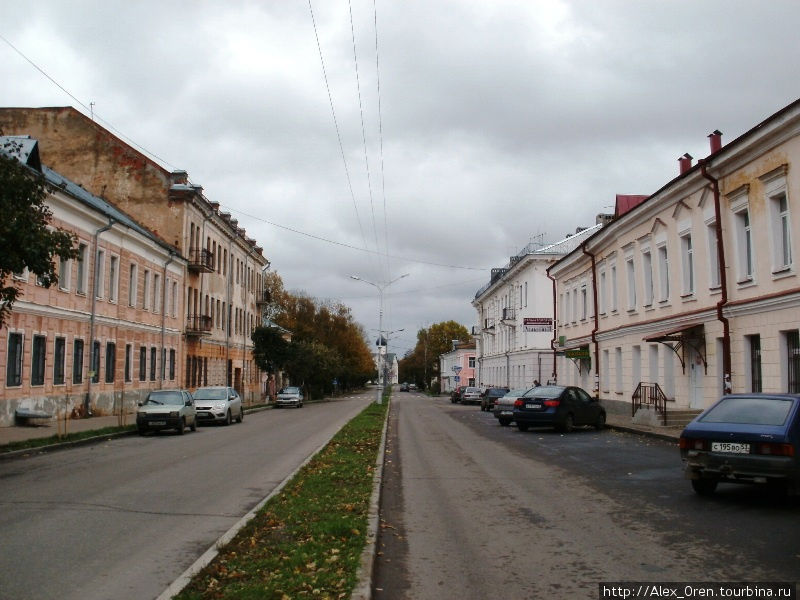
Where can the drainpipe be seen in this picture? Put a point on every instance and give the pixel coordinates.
(596, 323)
(723, 281)
(95, 241)
(555, 314)
(227, 321)
(164, 319)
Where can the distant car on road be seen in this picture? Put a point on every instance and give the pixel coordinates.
(558, 406)
(166, 409)
(504, 407)
(455, 395)
(412, 387)
(218, 405)
(404, 387)
(744, 438)
(289, 396)
(471, 395)
(490, 396)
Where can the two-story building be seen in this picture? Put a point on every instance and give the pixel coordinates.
(222, 290)
(693, 291)
(110, 330)
(458, 367)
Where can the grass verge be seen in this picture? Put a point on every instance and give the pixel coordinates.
(307, 540)
(34, 443)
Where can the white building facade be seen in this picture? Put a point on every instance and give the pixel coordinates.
(695, 291)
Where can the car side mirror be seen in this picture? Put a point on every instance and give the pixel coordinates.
(189, 402)
(141, 403)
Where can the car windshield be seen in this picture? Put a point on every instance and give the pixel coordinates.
(472, 389)
(750, 410)
(165, 397)
(211, 394)
(290, 390)
(544, 391)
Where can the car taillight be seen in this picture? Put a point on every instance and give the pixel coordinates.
(518, 403)
(552, 402)
(691, 444)
(772, 449)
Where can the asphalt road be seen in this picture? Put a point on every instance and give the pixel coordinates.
(472, 510)
(124, 518)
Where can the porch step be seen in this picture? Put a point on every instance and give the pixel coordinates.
(681, 418)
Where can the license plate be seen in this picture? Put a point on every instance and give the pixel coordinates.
(536, 406)
(730, 447)
(506, 413)
(158, 423)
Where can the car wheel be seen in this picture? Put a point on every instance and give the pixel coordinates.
(568, 425)
(240, 418)
(522, 426)
(505, 422)
(228, 418)
(600, 423)
(704, 487)
(182, 427)
(142, 430)
(194, 425)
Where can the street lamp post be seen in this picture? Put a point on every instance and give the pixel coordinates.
(380, 287)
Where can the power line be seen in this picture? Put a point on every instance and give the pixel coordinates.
(336, 124)
(380, 135)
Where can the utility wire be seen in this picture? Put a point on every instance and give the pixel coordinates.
(380, 137)
(336, 124)
(89, 109)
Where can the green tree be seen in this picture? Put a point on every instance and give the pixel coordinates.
(26, 238)
(421, 365)
(270, 349)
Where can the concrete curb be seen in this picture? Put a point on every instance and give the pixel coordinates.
(28, 452)
(363, 589)
(653, 434)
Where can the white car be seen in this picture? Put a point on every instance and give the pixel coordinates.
(166, 409)
(289, 396)
(218, 405)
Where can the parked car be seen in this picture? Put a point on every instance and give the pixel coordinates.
(404, 387)
(166, 409)
(471, 395)
(412, 387)
(744, 438)
(455, 395)
(289, 396)
(490, 396)
(558, 406)
(218, 405)
(504, 407)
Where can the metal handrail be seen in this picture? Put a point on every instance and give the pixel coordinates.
(649, 394)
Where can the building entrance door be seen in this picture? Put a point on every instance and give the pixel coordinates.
(696, 377)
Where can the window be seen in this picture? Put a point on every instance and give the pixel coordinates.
(163, 364)
(111, 359)
(82, 272)
(713, 256)
(100, 274)
(687, 258)
(153, 363)
(39, 352)
(602, 292)
(584, 302)
(631, 271)
(146, 290)
(133, 285)
(755, 362)
(113, 279)
(77, 361)
(172, 365)
(128, 360)
(775, 191)
(471, 362)
(174, 298)
(618, 352)
(663, 273)
(59, 360)
(614, 289)
(647, 268)
(14, 364)
(793, 354)
(142, 363)
(63, 274)
(744, 245)
(156, 292)
(95, 366)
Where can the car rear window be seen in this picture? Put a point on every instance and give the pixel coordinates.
(751, 411)
(544, 391)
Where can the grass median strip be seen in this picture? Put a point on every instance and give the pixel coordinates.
(307, 540)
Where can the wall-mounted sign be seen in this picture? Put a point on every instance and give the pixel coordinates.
(537, 324)
(578, 353)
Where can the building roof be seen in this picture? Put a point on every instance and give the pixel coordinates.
(26, 150)
(626, 202)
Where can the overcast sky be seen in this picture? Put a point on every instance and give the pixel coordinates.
(500, 122)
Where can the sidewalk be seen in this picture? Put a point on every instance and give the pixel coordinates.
(623, 423)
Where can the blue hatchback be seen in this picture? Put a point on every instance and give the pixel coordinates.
(744, 438)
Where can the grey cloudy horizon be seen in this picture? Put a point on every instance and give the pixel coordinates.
(502, 123)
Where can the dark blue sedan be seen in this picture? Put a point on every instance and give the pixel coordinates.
(558, 406)
(744, 438)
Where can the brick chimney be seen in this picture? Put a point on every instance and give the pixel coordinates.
(715, 140)
(685, 163)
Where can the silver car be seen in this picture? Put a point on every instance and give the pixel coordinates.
(218, 405)
(166, 409)
(471, 395)
(504, 407)
(289, 396)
